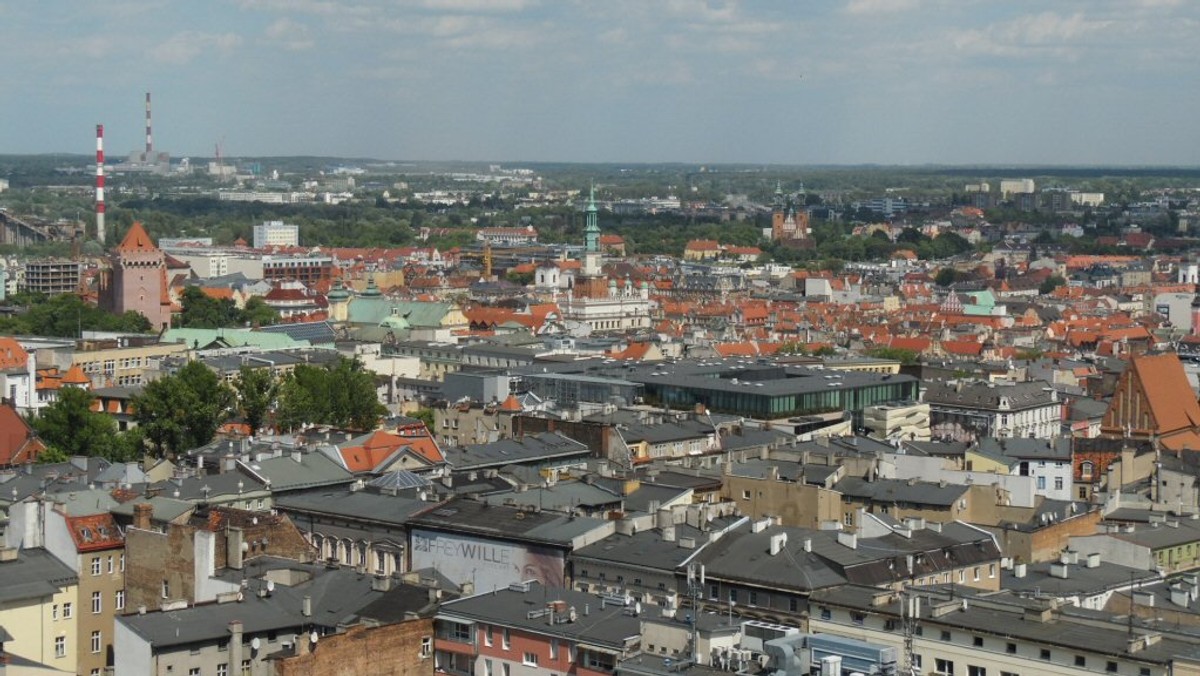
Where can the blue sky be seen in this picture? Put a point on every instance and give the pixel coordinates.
(701, 81)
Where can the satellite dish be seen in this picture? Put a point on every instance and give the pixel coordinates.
(313, 636)
(255, 643)
(270, 585)
(637, 608)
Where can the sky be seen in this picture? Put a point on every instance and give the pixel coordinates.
(796, 82)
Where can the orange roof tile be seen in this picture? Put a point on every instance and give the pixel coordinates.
(75, 376)
(12, 355)
(137, 239)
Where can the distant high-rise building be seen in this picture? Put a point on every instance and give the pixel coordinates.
(276, 233)
(51, 277)
(1012, 186)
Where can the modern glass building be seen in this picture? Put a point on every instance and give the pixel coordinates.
(758, 389)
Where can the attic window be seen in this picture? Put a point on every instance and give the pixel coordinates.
(446, 511)
(86, 533)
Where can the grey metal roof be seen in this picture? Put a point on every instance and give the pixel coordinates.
(338, 595)
(987, 396)
(901, 491)
(563, 496)
(460, 515)
(530, 448)
(743, 556)
(313, 470)
(1080, 579)
(596, 623)
(1070, 628)
(1058, 450)
(362, 505)
(165, 509)
(316, 333)
(34, 573)
(648, 549)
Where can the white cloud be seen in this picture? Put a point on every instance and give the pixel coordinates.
(183, 47)
(290, 35)
(478, 5)
(881, 6)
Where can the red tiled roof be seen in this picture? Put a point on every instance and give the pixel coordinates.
(94, 532)
(12, 355)
(17, 441)
(137, 239)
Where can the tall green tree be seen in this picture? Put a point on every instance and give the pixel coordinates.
(72, 427)
(258, 313)
(342, 394)
(182, 411)
(255, 389)
(201, 311)
(67, 314)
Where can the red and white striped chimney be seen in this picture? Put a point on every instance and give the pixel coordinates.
(149, 138)
(100, 183)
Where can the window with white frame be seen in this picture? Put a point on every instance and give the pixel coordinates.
(97, 603)
(529, 659)
(96, 643)
(60, 646)
(119, 599)
(95, 565)
(426, 646)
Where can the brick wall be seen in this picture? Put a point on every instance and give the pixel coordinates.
(151, 557)
(389, 650)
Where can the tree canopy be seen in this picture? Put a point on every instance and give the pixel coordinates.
(182, 411)
(70, 427)
(342, 394)
(66, 315)
(201, 311)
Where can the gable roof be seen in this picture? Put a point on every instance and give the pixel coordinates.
(12, 355)
(137, 239)
(18, 443)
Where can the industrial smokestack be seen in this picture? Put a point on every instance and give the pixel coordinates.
(100, 183)
(149, 137)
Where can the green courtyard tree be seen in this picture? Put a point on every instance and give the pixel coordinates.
(255, 389)
(342, 394)
(71, 426)
(182, 411)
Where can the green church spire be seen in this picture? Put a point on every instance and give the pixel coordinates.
(592, 232)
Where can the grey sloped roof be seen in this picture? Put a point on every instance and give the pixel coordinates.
(640, 499)
(600, 624)
(316, 333)
(34, 573)
(359, 505)
(460, 515)
(1058, 450)
(648, 549)
(313, 470)
(987, 396)
(530, 448)
(743, 556)
(1080, 579)
(561, 497)
(338, 595)
(901, 491)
